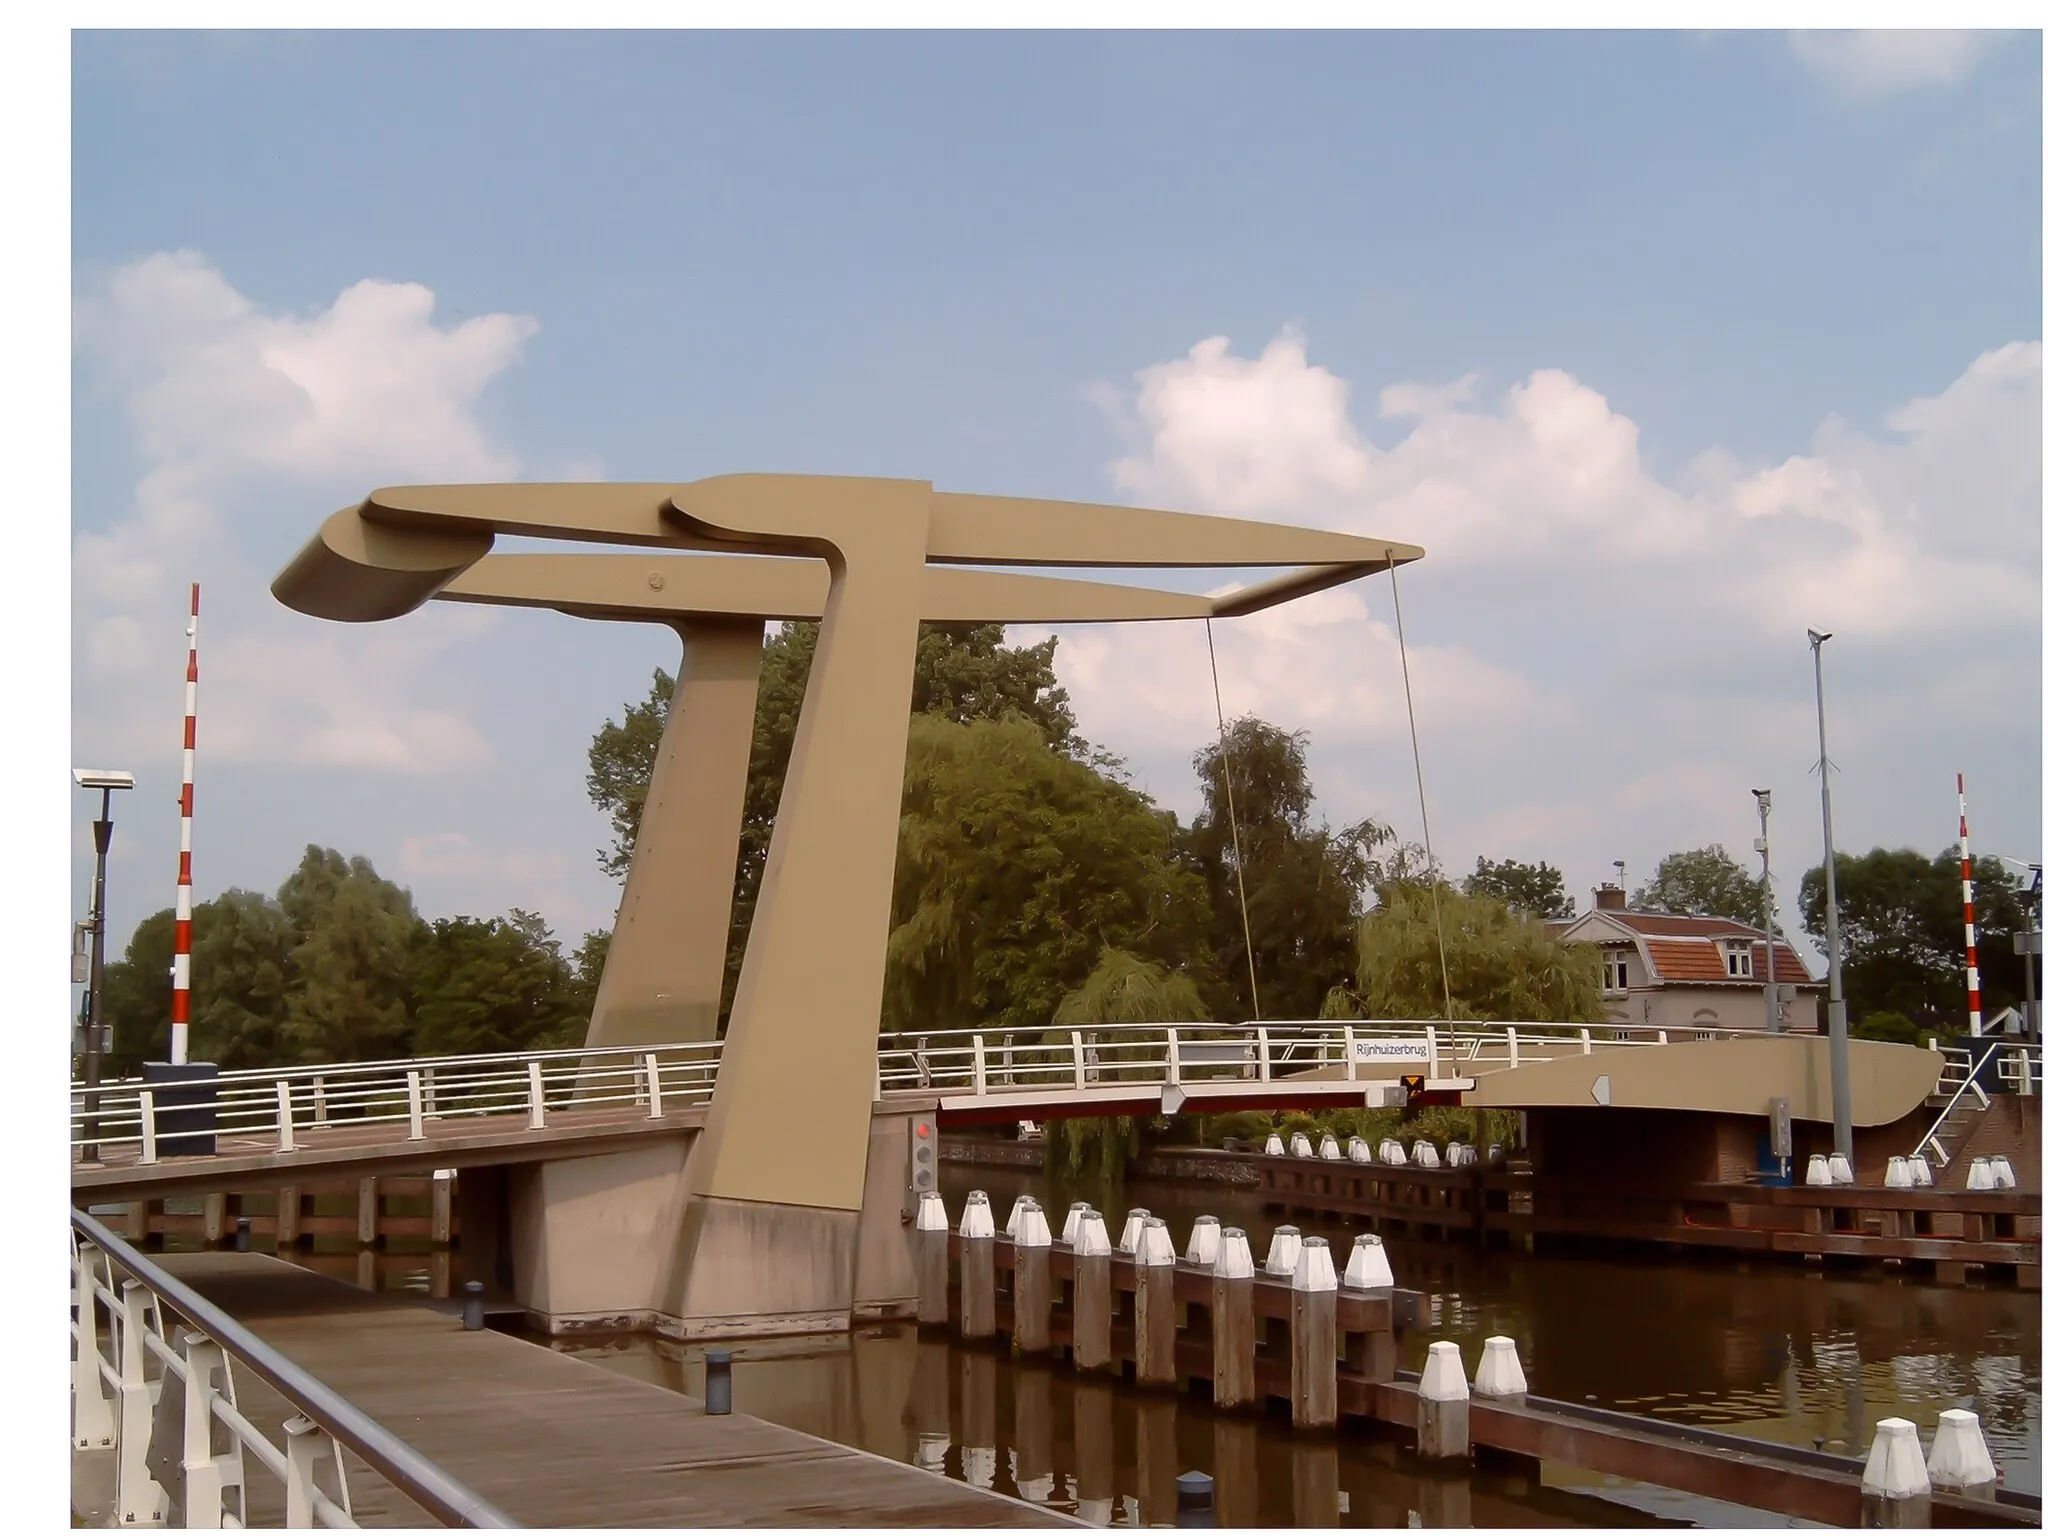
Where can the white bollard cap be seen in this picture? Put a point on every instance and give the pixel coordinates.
(1283, 1251)
(1500, 1370)
(1091, 1239)
(1496, 1153)
(1204, 1239)
(1155, 1244)
(931, 1212)
(1923, 1176)
(1359, 1151)
(1839, 1170)
(1960, 1458)
(1328, 1150)
(1395, 1157)
(1980, 1174)
(976, 1219)
(1297, 1146)
(1274, 1146)
(1313, 1271)
(1234, 1256)
(1897, 1174)
(1895, 1469)
(1425, 1155)
(1817, 1175)
(1075, 1213)
(1368, 1269)
(1033, 1231)
(1443, 1374)
(1134, 1223)
(1022, 1202)
(2002, 1176)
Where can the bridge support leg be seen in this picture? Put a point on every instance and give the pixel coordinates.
(665, 971)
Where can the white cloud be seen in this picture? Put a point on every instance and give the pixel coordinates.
(250, 426)
(453, 855)
(1599, 655)
(1874, 62)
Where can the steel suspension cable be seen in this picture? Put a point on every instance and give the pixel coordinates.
(1230, 799)
(1422, 798)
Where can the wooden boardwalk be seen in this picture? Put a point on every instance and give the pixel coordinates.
(552, 1440)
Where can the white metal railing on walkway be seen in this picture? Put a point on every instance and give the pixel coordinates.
(125, 1361)
(271, 1109)
(274, 1106)
(1962, 1080)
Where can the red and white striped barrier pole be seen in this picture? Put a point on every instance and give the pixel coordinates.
(181, 956)
(1969, 914)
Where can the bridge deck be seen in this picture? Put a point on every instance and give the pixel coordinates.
(555, 1441)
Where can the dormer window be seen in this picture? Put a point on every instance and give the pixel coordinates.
(1736, 954)
(1614, 970)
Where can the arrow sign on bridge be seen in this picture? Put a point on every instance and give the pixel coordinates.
(1603, 1090)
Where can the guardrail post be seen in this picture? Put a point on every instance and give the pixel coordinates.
(1430, 1032)
(92, 1410)
(209, 1479)
(1172, 1055)
(319, 1101)
(651, 1065)
(1153, 1311)
(1586, 1040)
(536, 1098)
(286, 1142)
(980, 1068)
(1350, 1054)
(146, 1104)
(1514, 1047)
(1080, 1060)
(977, 1268)
(306, 1447)
(1233, 1331)
(415, 1108)
(427, 1090)
(139, 1499)
(1031, 1283)
(1265, 1056)
(1312, 1338)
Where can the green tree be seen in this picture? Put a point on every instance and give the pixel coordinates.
(1304, 883)
(1534, 890)
(1901, 926)
(1502, 966)
(1703, 882)
(346, 995)
(1017, 868)
(495, 984)
(1893, 1027)
(137, 997)
(241, 949)
(963, 672)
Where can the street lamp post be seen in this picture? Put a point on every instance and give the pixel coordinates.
(106, 781)
(1772, 1021)
(1838, 1012)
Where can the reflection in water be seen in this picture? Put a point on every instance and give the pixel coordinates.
(1771, 1351)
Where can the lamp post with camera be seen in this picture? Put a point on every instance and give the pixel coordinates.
(106, 781)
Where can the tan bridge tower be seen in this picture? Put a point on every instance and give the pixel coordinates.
(764, 1231)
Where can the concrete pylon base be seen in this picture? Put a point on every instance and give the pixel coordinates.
(749, 1268)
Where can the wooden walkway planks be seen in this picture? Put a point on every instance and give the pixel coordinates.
(556, 1441)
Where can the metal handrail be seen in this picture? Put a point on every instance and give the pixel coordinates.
(426, 1484)
(1950, 1107)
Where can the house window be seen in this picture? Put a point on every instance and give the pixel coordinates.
(1614, 971)
(1738, 960)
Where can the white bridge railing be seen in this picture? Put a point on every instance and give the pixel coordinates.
(274, 1106)
(163, 1401)
(984, 1063)
(271, 1109)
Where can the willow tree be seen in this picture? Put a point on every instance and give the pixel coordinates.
(1123, 988)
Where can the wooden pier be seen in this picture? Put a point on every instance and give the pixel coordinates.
(552, 1440)
(1331, 1356)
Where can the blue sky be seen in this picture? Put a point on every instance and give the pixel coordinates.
(1664, 345)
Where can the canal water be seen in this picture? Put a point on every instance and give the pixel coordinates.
(1777, 1352)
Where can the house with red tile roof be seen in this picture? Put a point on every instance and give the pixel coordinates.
(1667, 972)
